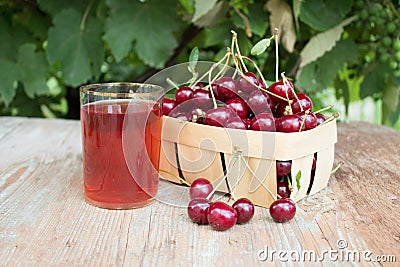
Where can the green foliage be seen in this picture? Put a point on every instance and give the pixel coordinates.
(49, 48)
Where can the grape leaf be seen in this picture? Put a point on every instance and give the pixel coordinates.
(53, 7)
(151, 24)
(281, 18)
(202, 7)
(322, 15)
(11, 37)
(33, 70)
(322, 42)
(76, 45)
(9, 75)
(320, 74)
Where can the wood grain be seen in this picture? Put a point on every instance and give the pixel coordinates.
(45, 221)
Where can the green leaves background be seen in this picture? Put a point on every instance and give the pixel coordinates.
(48, 48)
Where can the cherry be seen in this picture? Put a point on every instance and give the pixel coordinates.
(283, 168)
(281, 109)
(282, 210)
(288, 123)
(320, 118)
(218, 116)
(226, 88)
(247, 122)
(183, 93)
(197, 115)
(202, 99)
(305, 102)
(221, 216)
(168, 105)
(236, 123)
(238, 105)
(246, 86)
(198, 85)
(201, 188)
(198, 210)
(259, 102)
(244, 209)
(283, 90)
(263, 122)
(180, 115)
(262, 84)
(283, 189)
(310, 120)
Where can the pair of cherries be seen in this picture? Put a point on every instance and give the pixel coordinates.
(220, 215)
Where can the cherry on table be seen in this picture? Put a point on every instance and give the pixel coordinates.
(288, 123)
(218, 116)
(183, 94)
(263, 122)
(168, 105)
(283, 90)
(237, 105)
(198, 210)
(246, 86)
(282, 210)
(221, 216)
(244, 209)
(201, 188)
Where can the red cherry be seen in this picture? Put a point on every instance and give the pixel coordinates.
(283, 189)
(259, 102)
(218, 116)
(283, 90)
(221, 216)
(288, 123)
(202, 99)
(246, 86)
(168, 105)
(198, 85)
(197, 115)
(282, 210)
(305, 102)
(201, 188)
(263, 122)
(238, 106)
(198, 209)
(262, 84)
(182, 94)
(236, 123)
(226, 88)
(247, 122)
(310, 121)
(320, 118)
(283, 168)
(180, 115)
(244, 209)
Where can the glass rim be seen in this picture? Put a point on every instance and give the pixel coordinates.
(89, 89)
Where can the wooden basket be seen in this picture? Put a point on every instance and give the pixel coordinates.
(244, 162)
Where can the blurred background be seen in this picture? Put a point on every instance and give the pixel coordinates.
(343, 53)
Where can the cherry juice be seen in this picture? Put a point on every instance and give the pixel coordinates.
(120, 151)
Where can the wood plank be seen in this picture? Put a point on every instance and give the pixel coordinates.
(45, 221)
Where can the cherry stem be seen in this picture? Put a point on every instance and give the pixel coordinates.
(181, 180)
(340, 164)
(172, 83)
(276, 36)
(331, 118)
(234, 38)
(304, 119)
(286, 83)
(210, 84)
(323, 109)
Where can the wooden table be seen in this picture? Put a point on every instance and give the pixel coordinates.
(44, 219)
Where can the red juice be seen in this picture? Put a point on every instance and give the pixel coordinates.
(120, 158)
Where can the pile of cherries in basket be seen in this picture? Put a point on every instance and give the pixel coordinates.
(222, 216)
(246, 103)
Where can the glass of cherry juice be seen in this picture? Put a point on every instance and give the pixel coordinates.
(121, 137)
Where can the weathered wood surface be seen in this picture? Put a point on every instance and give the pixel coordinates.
(45, 221)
